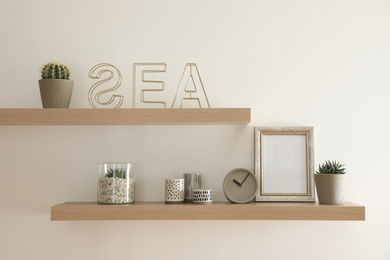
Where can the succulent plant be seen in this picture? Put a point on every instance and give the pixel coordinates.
(55, 70)
(117, 173)
(331, 167)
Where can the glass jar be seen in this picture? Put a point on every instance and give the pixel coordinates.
(116, 184)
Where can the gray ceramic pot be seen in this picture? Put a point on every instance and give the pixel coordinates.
(56, 93)
(331, 188)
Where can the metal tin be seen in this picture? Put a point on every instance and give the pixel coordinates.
(191, 181)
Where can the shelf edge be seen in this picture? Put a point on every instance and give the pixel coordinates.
(217, 211)
(137, 116)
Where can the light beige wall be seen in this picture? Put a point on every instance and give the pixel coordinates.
(295, 63)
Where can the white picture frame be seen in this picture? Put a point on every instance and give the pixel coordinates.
(284, 164)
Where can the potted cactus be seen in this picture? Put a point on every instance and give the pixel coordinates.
(331, 181)
(55, 86)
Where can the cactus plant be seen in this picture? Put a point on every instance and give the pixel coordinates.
(331, 167)
(55, 70)
(117, 173)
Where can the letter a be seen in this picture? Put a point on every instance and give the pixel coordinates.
(190, 89)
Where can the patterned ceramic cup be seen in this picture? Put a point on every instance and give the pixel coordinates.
(202, 196)
(174, 191)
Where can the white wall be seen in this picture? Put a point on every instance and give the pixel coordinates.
(295, 63)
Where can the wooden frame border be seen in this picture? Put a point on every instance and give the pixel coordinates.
(309, 196)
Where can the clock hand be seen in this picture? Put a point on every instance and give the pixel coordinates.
(236, 182)
(244, 180)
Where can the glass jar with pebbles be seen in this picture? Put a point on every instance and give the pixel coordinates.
(116, 184)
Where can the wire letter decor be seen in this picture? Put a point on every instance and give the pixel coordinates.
(188, 90)
(143, 91)
(95, 73)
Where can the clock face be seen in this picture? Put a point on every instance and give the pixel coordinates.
(240, 185)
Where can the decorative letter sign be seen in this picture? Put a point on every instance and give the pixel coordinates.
(153, 68)
(187, 89)
(95, 73)
(190, 91)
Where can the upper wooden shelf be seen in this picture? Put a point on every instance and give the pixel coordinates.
(65, 116)
(71, 211)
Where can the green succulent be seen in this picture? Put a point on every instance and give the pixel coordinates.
(331, 167)
(117, 173)
(55, 70)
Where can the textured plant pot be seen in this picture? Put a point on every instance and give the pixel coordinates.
(56, 93)
(331, 188)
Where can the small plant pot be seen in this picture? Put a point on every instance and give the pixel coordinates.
(116, 184)
(331, 188)
(56, 93)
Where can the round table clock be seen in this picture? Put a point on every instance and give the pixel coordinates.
(240, 185)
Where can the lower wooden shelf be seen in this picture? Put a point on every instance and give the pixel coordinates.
(71, 211)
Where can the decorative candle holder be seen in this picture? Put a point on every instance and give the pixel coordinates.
(174, 191)
(191, 181)
(116, 183)
(202, 196)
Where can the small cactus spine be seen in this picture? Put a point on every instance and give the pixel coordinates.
(54, 70)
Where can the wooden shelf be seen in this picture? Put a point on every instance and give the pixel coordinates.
(71, 211)
(65, 116)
